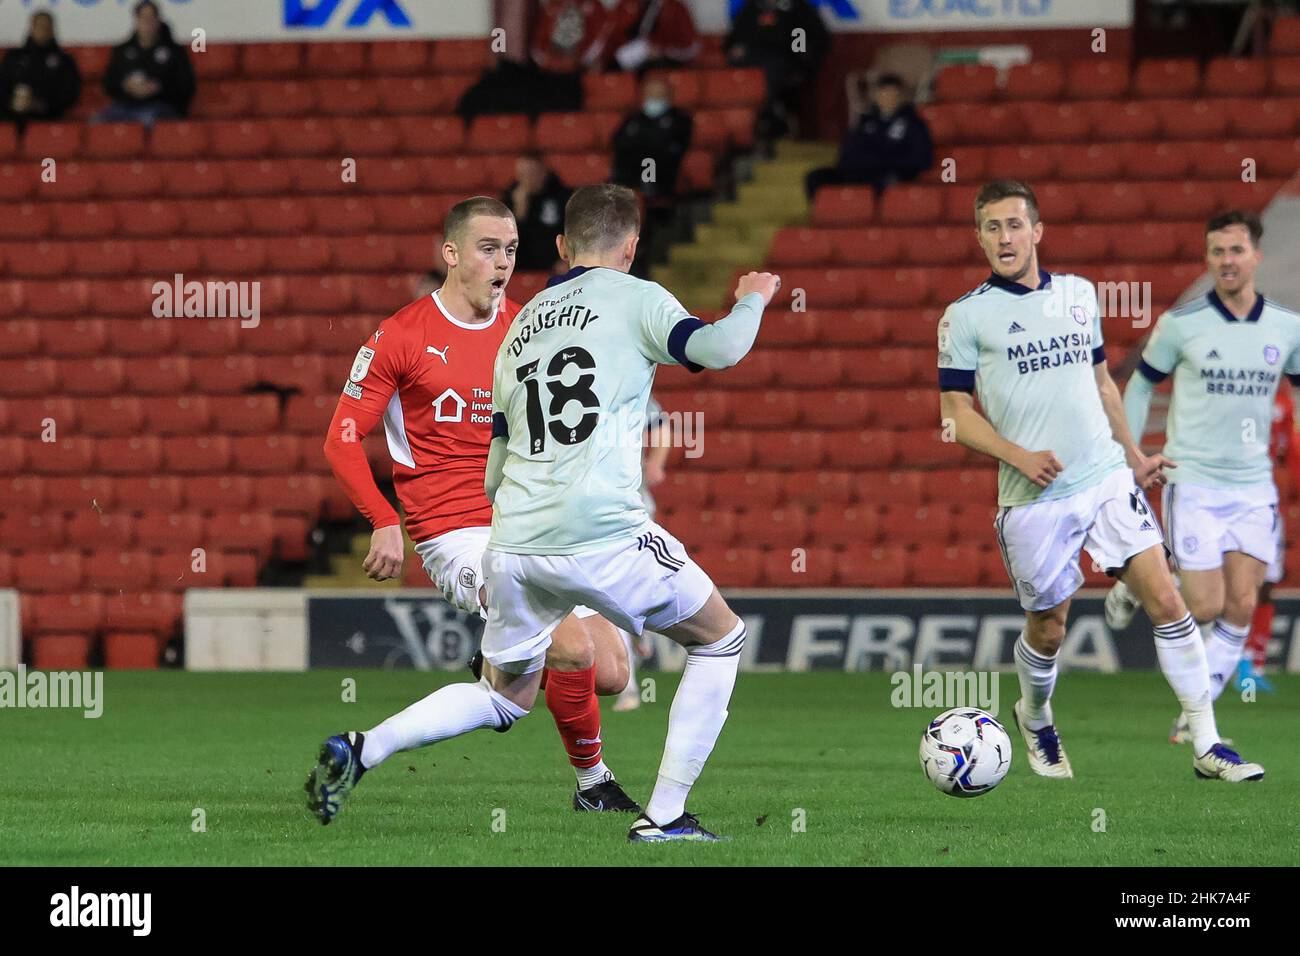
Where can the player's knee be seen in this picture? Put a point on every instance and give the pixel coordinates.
(1240, 606)
(1203, 607)
(1165, 605)
(1045, 634)
(613, 679)
(571, 655)
(728, 643)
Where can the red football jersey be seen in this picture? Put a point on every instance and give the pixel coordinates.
(428, 376)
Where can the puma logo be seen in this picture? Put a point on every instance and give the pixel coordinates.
(441, 354)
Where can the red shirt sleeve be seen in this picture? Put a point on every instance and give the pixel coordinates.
(377, 372)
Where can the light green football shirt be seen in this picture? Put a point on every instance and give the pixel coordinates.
(1029, 355)
(570, 389)
(1226, 375)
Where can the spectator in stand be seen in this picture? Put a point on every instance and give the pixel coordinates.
(653, 34)
(569, 37)
(661, 133)
(537, 198)
(38, 81)
(889, 143)
(658, 131)
(762, 35)
(149, 77)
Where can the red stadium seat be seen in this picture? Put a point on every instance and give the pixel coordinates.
(861, 448)
(155, 612)
(732, 567)
(61, 652)
(53, 141)
(968, 83)
(156, 491)
(267, 454)
(812, 489)
(499, 134)
(843, 206)
(734, 88)
(959, 565)
(236, 531)
(130, 650)
(112, 418)
(769, 408)
(1285, 76)
(271, 60)
(881, 566)
(1195, 119)
(1285, 39)
(219, 492)
(1057, 123)
(75, 612)
(1235, 76)
(1166, 78)
(195, 455)
(113, 141)
(49, 571)
(1039, 80)
(785, 450)
(842, 408)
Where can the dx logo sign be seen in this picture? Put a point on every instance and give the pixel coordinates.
(310, 14)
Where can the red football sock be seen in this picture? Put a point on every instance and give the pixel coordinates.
(1261, 632)
(571, 698)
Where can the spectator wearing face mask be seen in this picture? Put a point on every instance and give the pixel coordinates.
(537, 199)
(38, 81)
(149, 77)
(889, 143)
(658, 131)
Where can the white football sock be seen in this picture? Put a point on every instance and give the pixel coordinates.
(1181, 654)
(1037, 680)
(1223, 648)
(698, 712)
(448, 712)
(590, 776)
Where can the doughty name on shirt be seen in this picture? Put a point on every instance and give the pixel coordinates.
(541, 320)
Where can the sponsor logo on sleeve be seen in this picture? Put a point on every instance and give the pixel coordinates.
(353, 390)
(361, 365)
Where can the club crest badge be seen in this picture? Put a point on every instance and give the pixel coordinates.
(1077, 313)
(1271, 354)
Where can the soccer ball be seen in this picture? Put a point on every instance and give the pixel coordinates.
(965, 752)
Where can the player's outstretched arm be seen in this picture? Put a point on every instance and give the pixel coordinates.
(973, 430)
(728, 340)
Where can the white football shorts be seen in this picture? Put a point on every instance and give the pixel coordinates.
(454, 563)
(646, 581)
(1040, 541)
(1202, 523)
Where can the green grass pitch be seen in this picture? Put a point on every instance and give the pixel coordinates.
(824, 749)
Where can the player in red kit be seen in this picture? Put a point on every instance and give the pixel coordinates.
(1283, 452)
(426, 372)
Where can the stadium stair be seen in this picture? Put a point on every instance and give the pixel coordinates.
(741, 231)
